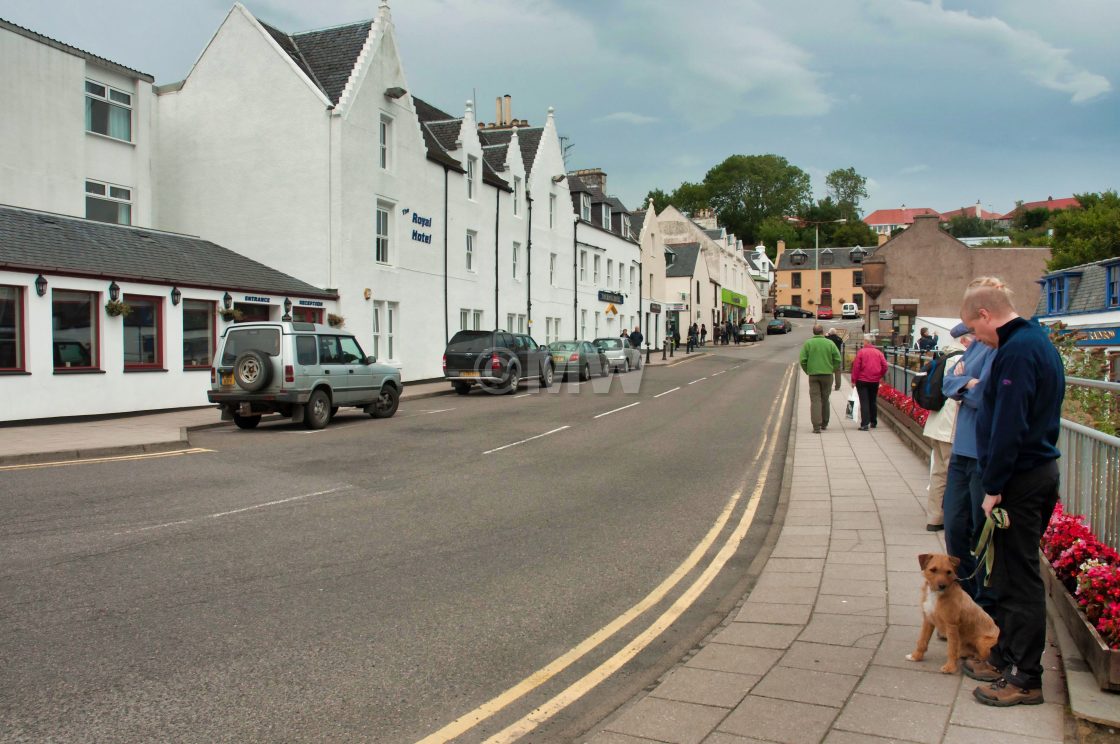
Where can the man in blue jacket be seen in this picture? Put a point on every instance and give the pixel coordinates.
(1016, 436)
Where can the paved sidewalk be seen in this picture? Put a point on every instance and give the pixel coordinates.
(817, 651)
(153, 432)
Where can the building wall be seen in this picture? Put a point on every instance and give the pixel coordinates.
(621, 253)
(46, 155)
(654, 291)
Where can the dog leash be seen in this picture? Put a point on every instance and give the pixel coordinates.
(985, 550)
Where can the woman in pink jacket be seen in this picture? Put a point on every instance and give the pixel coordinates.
(868, 368)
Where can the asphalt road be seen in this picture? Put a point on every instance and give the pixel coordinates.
(378, 580)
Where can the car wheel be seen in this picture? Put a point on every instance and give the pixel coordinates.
(246, 422)
(546, 375)
(318, 413)
(386, 404)
(252, 370)
(585, 372)
(462, 388)
(513, 380)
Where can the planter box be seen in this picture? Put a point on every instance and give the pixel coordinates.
(907, 428)
(1103, 661)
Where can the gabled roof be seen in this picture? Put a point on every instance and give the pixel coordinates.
(327, 56)
(441, 134)
(841, 259)
(528, 139)
(89, 57)
(495, 155)
(896, 216)
(47, 242)
(1051, 203)
(685, 263)
(970, 212)
(753, 266)
(637, 221)
(1086, 288)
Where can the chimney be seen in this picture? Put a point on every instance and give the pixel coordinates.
(979, 212)
(780, 251)
(507, 114)
(883, 238)
(594, 176)
(498, 111)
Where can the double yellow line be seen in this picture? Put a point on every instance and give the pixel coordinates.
(92, 460)
(766, 450)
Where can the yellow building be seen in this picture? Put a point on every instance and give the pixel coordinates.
(806, 281)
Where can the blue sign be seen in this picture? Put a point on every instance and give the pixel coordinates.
(310, 303)
(608, 296)
(254, 298)
(421, 222)
(1096, 336)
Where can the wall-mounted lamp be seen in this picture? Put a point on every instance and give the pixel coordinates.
(114, 292)
(395, 92)
(559, 178)
(287, 309)
(176, 295)
(367, 293)
(227, 301)
(40, 285)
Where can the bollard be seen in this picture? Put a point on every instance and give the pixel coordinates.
(672, 347)
(647, 352)
(664, 349)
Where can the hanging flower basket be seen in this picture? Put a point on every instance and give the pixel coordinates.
(115, 308)
(231, 314)
(335, 321)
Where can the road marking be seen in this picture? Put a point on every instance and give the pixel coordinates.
(667, 392)
(218, 515)
(523, 441)
(523, 395)
(608, 413)
(425, 413)
(717, 374)
(696, 381)
(119, 458)
(585, 684)
(737, 366)
(544, 674)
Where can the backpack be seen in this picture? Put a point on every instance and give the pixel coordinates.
(925, 388)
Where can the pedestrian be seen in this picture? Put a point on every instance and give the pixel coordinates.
(715, 334)
(636, 339)
(939, 430)
(727, 332)
(703, 334)
(625, 333)
(819, 360)
(868, 368)
(692, 337)
(926, 342)
(834, 337)
(1016, 437)
(962, 505)
(676, 336)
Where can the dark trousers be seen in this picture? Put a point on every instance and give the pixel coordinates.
(868, 402)
(819, 388)
(1020, 609)
(963, 507)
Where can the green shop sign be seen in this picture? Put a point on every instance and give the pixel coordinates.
(733, 298)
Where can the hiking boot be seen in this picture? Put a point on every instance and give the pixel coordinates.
(981, 671)
(1002, 694)
(934, 527)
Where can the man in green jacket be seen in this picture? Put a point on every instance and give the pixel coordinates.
(819, 359)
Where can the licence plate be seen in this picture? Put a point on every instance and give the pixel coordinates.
(468, 374)
(559, 358)
(227, 379)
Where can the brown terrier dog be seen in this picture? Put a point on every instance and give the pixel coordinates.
(948, 608)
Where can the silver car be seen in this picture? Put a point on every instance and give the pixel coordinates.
(619, 353)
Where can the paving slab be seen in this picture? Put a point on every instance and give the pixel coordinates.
(802, 685)
(668, 721)
(763, 635)
(706, 687)
(785, 721)
(894, 719)
(728, 657)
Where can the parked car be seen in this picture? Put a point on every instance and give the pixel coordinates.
(495, 360)
(579, 357)
(619, 353)
(302, 370)
(792, 311)
(750, 332)
(778, 325)
(849, 310)
(824, 312)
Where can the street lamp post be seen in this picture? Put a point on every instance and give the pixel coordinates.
(816, 244)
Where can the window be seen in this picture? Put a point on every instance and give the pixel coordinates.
(477, 321)
(552, 269)
(386, 319)
(826, 279)
(470, 251)
(795, 300)
(583, 324)
(377, 329)
(1056, 294)
(796, 280)
(351, 351)
(307, 351)
(11, 328)
(595, 264)
(509, 321)
(520, 323)
(385, 142)
(633, 278)
(551, 211)
(143, 330)
(625, 226)
(382, 250)
(330, 351)
(199, 330)
(583, 266)
(585, 207)
(240, 340)
(464, 319)
(74, 319)
(606, 217)
(857, 278)
(517, 196)
(610, 271)
(108, 203)
(472, 171)
(108, 111)
(857, 298)
(307, 314)
(1112, 287)
(597, 314)
(826, 257)
(516, 257)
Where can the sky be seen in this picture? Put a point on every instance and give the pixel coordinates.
(939, 103)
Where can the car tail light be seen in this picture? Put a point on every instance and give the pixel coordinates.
(213, 375)
(574, 357)
(495, 361)
(445, 361)
(289, 373)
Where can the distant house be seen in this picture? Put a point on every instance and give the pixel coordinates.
(974, 211)
(886, 221)
(1086, 298)
(1050, 203)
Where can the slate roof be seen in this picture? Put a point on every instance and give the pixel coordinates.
(841, 259)
(327, 56)
(716, 235)
(528, 138)
(637, 221)
(54, 243)
(754, 267)
(441, 135)
(62, 47)
(685, 263)
(495, 155)
(1086, 289)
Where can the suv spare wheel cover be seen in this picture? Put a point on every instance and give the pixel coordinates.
(252, 370)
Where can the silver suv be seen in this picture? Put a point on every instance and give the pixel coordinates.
(302, 370)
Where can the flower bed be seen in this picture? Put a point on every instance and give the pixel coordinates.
(1088, 569)
(904, 403)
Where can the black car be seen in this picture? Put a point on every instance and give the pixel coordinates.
(495, 360)
(792, 311)
(778, 325)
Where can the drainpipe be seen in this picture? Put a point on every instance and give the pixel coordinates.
(529, 264)
(575, 280)
(497, 212)
(446, 321)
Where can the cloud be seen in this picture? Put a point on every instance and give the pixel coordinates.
(1035, 58)
(912, 169)
(629, 117)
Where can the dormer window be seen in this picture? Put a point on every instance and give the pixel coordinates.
(798, 257)
(585, 207)
(606, 217)
(857, 254)
(625, 226)
(826, 257)
(1112, 286)
(1056, 294)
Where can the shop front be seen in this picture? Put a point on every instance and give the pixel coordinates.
(735, 307)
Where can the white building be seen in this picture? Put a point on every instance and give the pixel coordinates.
(76, 131)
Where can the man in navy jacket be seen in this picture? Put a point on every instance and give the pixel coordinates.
(1016, 438)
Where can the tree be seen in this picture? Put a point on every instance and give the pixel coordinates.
(660, 200)
(854, 233)
(773, 229)
(691, 197)
(746, 189)
(1091, 233)
(969, 226)
(846, 188)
